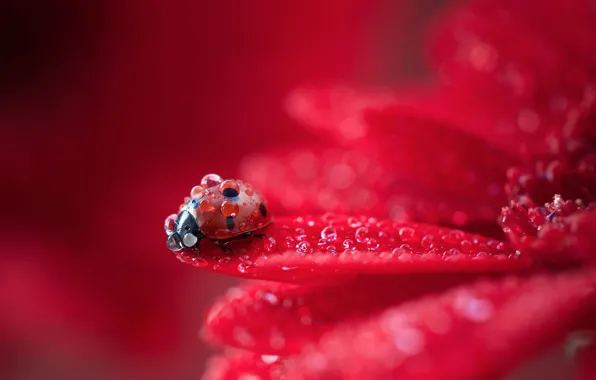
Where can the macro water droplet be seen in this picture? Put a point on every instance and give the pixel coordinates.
(329, 233)
(197, 192)
(407, 234)
(354, 222)
(206, 206)
(269, 244)
(427, 241)
(361, 234)
(304, 248)
(249, 191)
(211, 180)
(229, 208)
(229, 188)
(170, 224)
(246, 267)
(349, 244)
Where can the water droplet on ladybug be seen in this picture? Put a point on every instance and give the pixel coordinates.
(211, 180)
(206, 206)
(229, 208)
(229, 188)
(197, 192)
(249, 191)
(170, 224)
(242, 226)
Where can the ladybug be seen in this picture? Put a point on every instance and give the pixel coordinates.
(219, 210)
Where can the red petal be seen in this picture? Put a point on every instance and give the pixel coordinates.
(435, 164)
(586, 358)
(311, 248)
(560, 233)
(536, 84)
(281, 319)
(318, 180)
(478, 331)
(338, 110)
(239, 365)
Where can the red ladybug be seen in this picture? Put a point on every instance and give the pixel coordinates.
(219, 211)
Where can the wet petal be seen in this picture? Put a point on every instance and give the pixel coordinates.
(437, 165)
(470, 332)
(539, 87)
(558, 234)
(307, 248)
(281, 318)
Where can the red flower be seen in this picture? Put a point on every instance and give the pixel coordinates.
(399, 293)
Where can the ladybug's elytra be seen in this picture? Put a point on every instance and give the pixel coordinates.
(219, 211)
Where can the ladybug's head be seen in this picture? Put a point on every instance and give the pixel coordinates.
(183, 232)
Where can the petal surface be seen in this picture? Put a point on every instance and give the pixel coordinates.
(319, 248)
(281, 319)
(470, 332)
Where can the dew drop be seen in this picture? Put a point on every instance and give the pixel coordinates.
(246, 267)
(329, 233)
(407, 234)
(304, 248)
(197, 192)
(269, 244)
(427, 241)
(211, 180)
(229, 208)
(349, 244)
(229, 188)
(206, 206)
(170, 224)
(361, 234)
(249, 191)
(354, 222)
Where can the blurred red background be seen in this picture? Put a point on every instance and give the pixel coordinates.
(110, 111)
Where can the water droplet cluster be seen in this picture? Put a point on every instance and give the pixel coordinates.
(414, 338)
(558, 233)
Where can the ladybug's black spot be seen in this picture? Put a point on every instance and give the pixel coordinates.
(263, 209)
(230, 222)
(230, 193)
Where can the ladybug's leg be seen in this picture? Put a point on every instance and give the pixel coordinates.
(221, 245)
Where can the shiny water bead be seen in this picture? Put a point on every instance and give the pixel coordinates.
(249, 191)
(170, 224)
(329, 233)
(229, 188)
(197, 192)
(229, 208)
(206, 206)
(361, 234)
(211, 180)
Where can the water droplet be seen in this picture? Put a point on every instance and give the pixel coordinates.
(206, 206)
(349, 244)
(329, 233)
(197, 192)
(407, 234)
(331, 250)
(229, 208)
(354, 222)
(246, 267)
(300, 231)
(427, 241)
(271, 298)
(170, 224)
(249, 191)
(361, 234)
(269, 244)
(304, 248)
(211, 180)
(229, 188)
